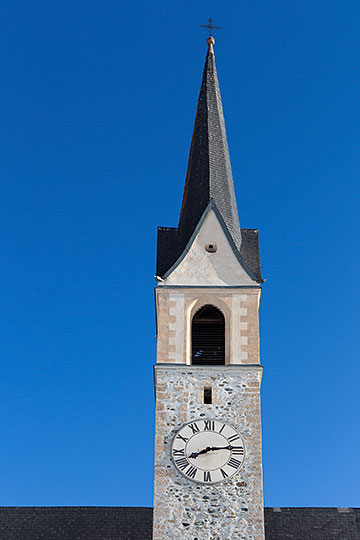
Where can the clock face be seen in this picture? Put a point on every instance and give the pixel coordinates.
(208, 451)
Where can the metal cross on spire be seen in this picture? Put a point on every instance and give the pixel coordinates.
(210, 26)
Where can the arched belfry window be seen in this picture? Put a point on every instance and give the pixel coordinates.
(208, 337)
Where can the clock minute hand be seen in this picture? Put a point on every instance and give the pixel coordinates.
(229, 447)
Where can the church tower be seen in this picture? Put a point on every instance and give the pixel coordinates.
(208, 463)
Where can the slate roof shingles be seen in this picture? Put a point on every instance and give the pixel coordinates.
(135, 523)
(208, 178)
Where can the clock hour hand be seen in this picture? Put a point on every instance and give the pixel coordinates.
(194, 455)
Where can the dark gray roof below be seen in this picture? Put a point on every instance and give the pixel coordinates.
(312, 523)
(132, 523)
(75, 523)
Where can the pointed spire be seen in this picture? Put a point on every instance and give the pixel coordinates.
(209, 173)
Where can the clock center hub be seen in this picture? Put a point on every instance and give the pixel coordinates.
(214, 448)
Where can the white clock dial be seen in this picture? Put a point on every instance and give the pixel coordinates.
(208, 451)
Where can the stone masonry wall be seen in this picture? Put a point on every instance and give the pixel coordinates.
(187, 510)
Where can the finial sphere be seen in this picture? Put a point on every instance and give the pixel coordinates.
(210, 41)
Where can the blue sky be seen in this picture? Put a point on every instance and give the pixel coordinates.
(97, 106)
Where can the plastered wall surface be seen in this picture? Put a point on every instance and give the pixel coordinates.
(200, 267)
(175, 309)
(184, 509)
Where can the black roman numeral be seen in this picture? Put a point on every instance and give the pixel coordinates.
(207, 476)
(193, 427)
(182, 438)
(224, 473)
(222, 428)
(209, 425)
(180, 452)
(234, 463)
(182, 463)
(233, 438)
(191, 472)
(239, 450)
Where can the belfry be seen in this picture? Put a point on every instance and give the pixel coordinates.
(208, 460)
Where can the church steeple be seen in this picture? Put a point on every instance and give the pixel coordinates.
(209, 184)
(209, 175)
(208, 372)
